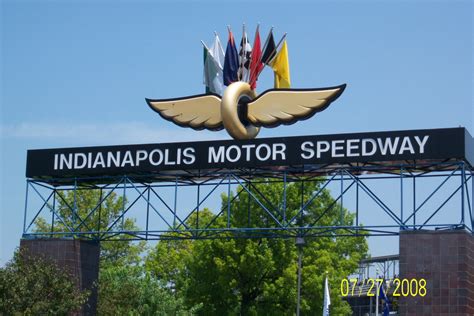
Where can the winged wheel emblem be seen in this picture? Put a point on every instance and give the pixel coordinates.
(241, 112)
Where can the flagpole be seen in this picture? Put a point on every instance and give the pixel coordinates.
(298, 302)
(215, 34)
(276, 49)
(282, 38)
(377, 304)
(229, 31)
(244, 55)
(205, 46)
(266, 42)
(219, 41)
(256, 31)
(264, 47)
(251, 54)
(377, 297)
(240, 72)
(299, 244)
(278, 45)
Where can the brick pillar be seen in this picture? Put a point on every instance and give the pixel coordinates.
(79, 257)
(446, 260)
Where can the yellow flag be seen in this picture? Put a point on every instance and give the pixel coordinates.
(281, 68)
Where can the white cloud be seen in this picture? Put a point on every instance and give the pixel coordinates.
(101, 133)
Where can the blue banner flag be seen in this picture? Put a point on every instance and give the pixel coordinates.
(386, 308)
(231, 62)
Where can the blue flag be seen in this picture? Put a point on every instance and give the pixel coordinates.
(231, 62)
(386, 308)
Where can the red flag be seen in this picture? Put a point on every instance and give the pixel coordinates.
(256, 64)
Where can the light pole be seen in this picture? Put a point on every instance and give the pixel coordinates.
(299, 244)
(377, 294)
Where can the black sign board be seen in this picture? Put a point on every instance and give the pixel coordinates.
(452, 143)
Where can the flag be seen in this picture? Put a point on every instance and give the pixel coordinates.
(204, 69)
(212, 74)
(327, 298)
(217, 52)
(386, 302)
(231, 61)
(269, 49)
(256, 64)
(244, 57)
(281, 68)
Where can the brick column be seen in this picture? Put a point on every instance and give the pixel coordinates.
(79, 257)
(445, 258)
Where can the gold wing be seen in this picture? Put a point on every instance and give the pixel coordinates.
(287, 106)
(198, 111)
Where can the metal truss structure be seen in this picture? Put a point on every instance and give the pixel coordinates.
(385, 198)
(385, 266)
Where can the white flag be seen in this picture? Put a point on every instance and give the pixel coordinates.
(213, 67)
(217, 52)
(212, 74)
(327, 299)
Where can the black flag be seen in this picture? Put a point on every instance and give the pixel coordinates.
(270, 50)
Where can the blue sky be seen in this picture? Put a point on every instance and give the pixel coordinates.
(75, 73)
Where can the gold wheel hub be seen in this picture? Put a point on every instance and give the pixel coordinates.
(233, 102)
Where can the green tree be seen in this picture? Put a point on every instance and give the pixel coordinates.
(89, 217)
(35, 286)
(124, 288)
(258, 276)
(130, 290)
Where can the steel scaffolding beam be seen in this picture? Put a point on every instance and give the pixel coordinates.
(152, 196)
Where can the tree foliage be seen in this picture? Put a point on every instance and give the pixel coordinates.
(124, 288)
(130, 290)
(258, 276)
(226, 276)
(88, 217)
(35, 286)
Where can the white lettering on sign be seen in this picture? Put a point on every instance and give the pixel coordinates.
(322, 147)
(421, 143)
(189, 157)
(234, 153)
(353, 148)
(308, 151)
(216, 157)
(118, 159)
(210, 156)
(364, 147)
